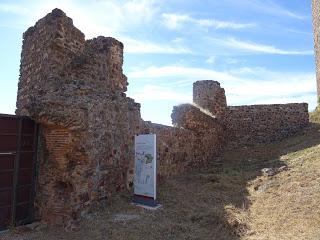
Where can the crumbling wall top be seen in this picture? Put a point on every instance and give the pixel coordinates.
(208, 94)
(57, 62)
(75, 89)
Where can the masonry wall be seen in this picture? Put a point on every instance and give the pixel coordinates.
(238, 126)
(316, 35)
(209, 96)
(249, 125)
(75, 89)
(182, 150)
(191, 117)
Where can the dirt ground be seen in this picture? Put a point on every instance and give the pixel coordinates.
(230, 200)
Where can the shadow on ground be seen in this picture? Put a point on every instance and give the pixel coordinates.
(210, 204)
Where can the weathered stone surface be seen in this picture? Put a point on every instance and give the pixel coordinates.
(238, 125)
(249, 125)
(316, 35)
(75, 89)
(208, 94)
(268, 172)
(191, 117)
(181, 150)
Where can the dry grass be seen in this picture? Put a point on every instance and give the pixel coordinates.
(289, 206)
(230, 200)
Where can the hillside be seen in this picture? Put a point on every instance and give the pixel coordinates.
(287, 205)
(231, 200)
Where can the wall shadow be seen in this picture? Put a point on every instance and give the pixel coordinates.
(208, 203)
(213, 203)
(243, 165)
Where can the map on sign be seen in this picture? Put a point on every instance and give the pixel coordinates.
(145, 165)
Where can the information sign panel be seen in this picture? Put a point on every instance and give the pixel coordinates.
(145, 169)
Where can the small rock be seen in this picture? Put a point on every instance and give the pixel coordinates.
(283, 168)
(273, 171)
(34, 226)
(269, 172)
(124, 217)
(72, 226)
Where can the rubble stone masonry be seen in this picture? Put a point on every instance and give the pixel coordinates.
(316, 35)
(75, 89)
(181, 150)
(209, 96)
(249, 125)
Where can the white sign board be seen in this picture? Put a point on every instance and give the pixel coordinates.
(145, 165)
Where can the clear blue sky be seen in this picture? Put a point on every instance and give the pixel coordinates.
(261, 51)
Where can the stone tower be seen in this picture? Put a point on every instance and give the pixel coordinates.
(316, 34)
(208, 95)
(75, 89)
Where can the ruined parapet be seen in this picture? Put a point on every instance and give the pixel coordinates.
(204, 120)
(316, 35)
(190, 117)
(109, 60)
(208, 94)
(202, 134)
(258, 124)
(238, 125)
(47, 48)
(55, 57)
(75, 89)
(181, 150)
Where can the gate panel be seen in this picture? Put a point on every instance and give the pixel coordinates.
(8, 125)
(8, 143)
(6, 186)
(18, 148)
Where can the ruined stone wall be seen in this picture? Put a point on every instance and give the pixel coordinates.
(238, 125)
(181, 150)
(316, 35)
(249, 125)
(75, 90)
(191, 117)
(47, 48)
(208, 95)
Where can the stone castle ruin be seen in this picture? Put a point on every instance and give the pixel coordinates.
(75, 89)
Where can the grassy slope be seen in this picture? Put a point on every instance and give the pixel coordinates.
(289, 205)
(228, 201)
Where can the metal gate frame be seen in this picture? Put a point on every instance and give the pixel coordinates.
(22, 121)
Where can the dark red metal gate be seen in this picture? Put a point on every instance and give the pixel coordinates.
(18, 153)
